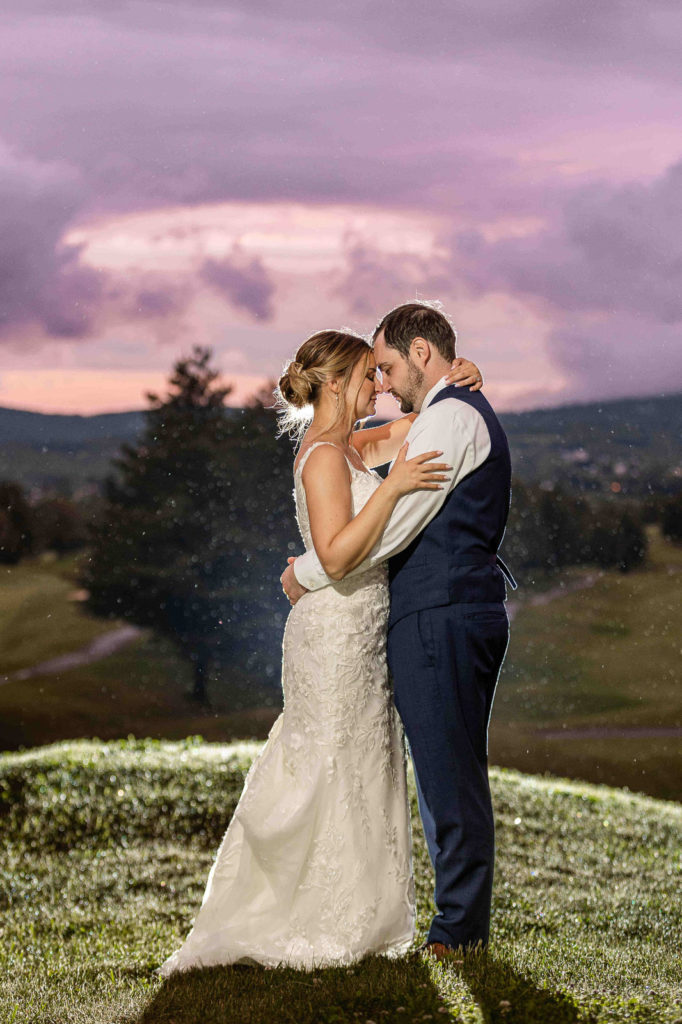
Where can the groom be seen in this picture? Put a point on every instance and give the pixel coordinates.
(448, 629)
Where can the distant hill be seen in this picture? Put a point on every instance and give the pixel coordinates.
(70, 454)
(20, 426)
(634, 442)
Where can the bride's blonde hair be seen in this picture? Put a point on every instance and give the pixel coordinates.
(322, 356)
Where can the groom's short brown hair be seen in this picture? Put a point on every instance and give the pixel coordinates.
(418, 320)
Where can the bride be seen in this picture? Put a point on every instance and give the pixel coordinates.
(315, 868)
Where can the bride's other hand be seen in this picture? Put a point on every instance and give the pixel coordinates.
(290, 585)
(463, 372)
(416, 474)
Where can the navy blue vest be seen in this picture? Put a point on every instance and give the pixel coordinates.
(454, 559)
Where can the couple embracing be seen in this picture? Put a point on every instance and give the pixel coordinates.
(397, 628)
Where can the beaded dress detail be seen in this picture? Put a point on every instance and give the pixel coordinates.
(315, 868)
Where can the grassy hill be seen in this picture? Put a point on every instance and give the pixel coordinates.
(106, 848)
(140, 688)
(602, 666)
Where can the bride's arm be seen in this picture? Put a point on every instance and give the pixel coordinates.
(379, 445)
(342, 541)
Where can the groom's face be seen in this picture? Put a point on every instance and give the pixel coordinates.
(401, 377)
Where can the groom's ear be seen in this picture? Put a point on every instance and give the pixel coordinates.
(420, 351)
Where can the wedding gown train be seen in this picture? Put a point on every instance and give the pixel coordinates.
(315, 867)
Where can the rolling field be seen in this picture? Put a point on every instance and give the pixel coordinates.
(603, 658)
(605, 662)
(139, 690)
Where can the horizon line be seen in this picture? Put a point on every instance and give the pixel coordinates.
(534, 408)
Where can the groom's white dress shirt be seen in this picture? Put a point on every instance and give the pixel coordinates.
(453, 426)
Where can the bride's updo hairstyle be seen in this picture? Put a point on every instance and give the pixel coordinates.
(324, 355)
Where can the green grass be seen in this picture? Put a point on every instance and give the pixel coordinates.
(139, 689)
(38, 620)
(608, 654)
(106, 849)
(605, 656)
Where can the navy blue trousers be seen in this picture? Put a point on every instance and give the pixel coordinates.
(445, 663)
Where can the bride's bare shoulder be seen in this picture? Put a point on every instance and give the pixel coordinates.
(326, 464)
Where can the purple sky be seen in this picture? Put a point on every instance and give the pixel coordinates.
(177, 172)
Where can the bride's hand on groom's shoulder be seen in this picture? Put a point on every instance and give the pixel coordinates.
(416, 474)
(463, 372)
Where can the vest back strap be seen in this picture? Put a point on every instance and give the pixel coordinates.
(490, 560)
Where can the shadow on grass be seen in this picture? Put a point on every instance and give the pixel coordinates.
(506, 996)
(376, 989)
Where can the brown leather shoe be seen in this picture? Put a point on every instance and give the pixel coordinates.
(440, 951)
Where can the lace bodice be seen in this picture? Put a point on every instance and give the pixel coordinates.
(362, 487)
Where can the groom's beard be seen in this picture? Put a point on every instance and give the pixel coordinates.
(408, 397)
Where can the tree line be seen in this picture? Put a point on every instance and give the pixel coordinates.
(196, 520)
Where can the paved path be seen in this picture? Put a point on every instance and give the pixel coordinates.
(514, 605)
(599, 732)
(101, 647)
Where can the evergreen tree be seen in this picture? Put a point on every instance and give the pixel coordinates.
(562, 524)
(671, 519)
(551, 530)
(617, 538)
(59, 525)
(16, 524)
(632, 542)
(183, 539)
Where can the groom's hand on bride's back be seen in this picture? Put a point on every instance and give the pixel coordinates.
(290, 585)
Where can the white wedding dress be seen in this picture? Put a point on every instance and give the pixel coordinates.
(315, 867)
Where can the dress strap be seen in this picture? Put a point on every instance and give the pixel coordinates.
(301, 464)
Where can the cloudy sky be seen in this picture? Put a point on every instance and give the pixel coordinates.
(241, 174)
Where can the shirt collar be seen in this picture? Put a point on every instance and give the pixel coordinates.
(430, 395)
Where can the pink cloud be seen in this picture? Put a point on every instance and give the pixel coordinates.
(607, 274)
(609, 249)
(41, 279)
(374, 280)
(243, 280)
